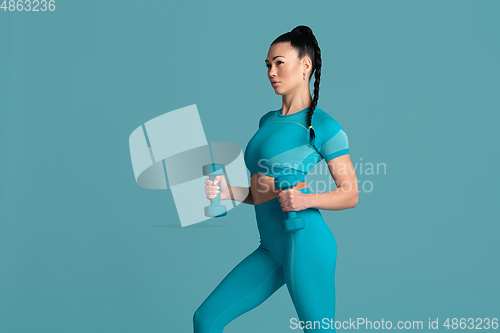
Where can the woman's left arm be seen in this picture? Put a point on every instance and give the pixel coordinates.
(345, 196)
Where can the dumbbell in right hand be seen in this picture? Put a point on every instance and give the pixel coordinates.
(215, 209)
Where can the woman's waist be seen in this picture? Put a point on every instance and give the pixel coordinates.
(263, 188)
(278, 171)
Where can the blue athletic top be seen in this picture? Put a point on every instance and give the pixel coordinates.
(280, 147)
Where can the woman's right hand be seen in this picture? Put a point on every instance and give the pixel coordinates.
(219, 184)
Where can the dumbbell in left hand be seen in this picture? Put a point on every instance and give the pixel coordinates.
(292, 222)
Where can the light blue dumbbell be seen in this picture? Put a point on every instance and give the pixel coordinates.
(215, 209)
(292, 222)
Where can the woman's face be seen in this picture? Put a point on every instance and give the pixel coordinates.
(284, 67)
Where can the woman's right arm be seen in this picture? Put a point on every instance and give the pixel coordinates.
(236, 193)
(241, 194)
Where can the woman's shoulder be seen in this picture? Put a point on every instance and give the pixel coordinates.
(331, 138)
(266, 116)
(324, 121)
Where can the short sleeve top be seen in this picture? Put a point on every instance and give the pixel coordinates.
(279, 147)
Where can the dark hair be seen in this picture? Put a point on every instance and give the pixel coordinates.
(302, 39)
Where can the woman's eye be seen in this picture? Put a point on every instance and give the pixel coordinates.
(278, 62)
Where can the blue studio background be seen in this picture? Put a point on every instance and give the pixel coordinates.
(84, 249)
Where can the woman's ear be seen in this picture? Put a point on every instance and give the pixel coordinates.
(307, 65)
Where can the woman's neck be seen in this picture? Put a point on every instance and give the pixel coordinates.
(292, 104)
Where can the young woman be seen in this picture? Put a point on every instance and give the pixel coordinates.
(290, 140)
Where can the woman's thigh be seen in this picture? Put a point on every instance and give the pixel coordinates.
(309, 268)
(248, 284)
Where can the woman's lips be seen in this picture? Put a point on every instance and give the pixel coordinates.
(275, 84)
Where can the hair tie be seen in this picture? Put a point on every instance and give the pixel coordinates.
(310, 127)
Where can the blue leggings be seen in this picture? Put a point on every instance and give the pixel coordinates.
(305, 260)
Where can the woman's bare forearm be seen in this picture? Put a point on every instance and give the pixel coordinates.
(338, 199)
(241, 194)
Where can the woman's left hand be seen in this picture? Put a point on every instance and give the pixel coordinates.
(293, 200)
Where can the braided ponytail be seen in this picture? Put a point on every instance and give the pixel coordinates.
(303, 39)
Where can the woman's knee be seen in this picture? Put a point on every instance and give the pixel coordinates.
(198, 318)
(202, 320)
